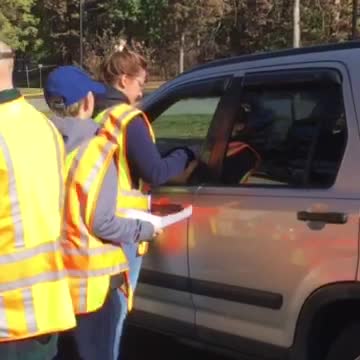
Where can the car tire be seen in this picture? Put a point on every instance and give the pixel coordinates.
(346, 345)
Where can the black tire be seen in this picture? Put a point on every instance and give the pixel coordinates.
(346, 345)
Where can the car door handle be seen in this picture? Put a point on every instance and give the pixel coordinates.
(326, 217)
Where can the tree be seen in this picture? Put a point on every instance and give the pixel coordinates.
(190, 23)
(176, 34)
(18, 26)
(60, 29)
(355, 18)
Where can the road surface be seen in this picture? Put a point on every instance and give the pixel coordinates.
(141, 344)
(39, 103)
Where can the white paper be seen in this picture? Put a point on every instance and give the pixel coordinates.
(158, 221)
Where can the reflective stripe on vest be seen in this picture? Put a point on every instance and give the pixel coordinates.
(102, 116)
(115, 121)
(89, 261)
(14, 200)
(33, 282)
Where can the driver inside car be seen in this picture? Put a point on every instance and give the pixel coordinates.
(241, 159)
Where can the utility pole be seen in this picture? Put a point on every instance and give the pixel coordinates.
(182, 52)
(40, 74)
(297, 25)
(81, 10)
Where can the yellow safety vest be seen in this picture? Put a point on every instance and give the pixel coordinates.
(34, 289)
(114, 122)
(89, 261)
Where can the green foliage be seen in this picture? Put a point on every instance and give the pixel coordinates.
(209, 28)
(182, 126)
(18, 26)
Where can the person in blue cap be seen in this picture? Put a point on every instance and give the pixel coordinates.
(69, 93)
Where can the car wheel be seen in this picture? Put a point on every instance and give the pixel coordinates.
(346, 345)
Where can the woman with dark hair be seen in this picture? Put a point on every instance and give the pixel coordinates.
(124, 73)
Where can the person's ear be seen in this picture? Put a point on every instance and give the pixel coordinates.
(123, 81)
(89, 102)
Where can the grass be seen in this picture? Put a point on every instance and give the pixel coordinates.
(29, 92)
(182, 126)
(177, 126)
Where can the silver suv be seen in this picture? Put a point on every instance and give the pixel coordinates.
(268, 265)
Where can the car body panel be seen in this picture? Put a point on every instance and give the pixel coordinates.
(248, 239)
(169, 258)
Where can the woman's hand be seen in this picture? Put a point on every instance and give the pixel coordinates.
(157, 232)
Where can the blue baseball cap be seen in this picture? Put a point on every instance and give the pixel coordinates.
(71, 84)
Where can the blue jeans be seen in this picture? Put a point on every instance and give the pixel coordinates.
(135, 267)
(95, 334)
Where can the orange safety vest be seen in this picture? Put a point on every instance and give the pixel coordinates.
(34, 289)
(235, 148)
(89, 261)
(114, 123)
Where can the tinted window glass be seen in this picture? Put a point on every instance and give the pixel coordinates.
(290, 136)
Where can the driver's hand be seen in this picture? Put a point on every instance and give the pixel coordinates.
(185, 175)
(190, 168)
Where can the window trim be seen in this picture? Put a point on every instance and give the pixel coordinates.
(186, 90)
(281, 78)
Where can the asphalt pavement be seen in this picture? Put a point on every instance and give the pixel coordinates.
(39, 103)
(141, 344)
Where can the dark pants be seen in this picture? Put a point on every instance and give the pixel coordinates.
(37, 348)
(94, 336)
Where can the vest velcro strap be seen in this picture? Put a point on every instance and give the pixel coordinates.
(133, 199)
(128, 291)
(143, 248)
(132, 203)
(133, 193)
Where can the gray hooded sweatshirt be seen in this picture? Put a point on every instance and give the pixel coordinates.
(107, 226)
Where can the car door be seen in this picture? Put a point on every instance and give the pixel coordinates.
(181, 117)
(259, 249)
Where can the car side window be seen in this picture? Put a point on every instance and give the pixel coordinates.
(186, 122)
(291, 135)
(183, 115)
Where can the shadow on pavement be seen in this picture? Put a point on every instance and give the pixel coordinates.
(141, 344)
